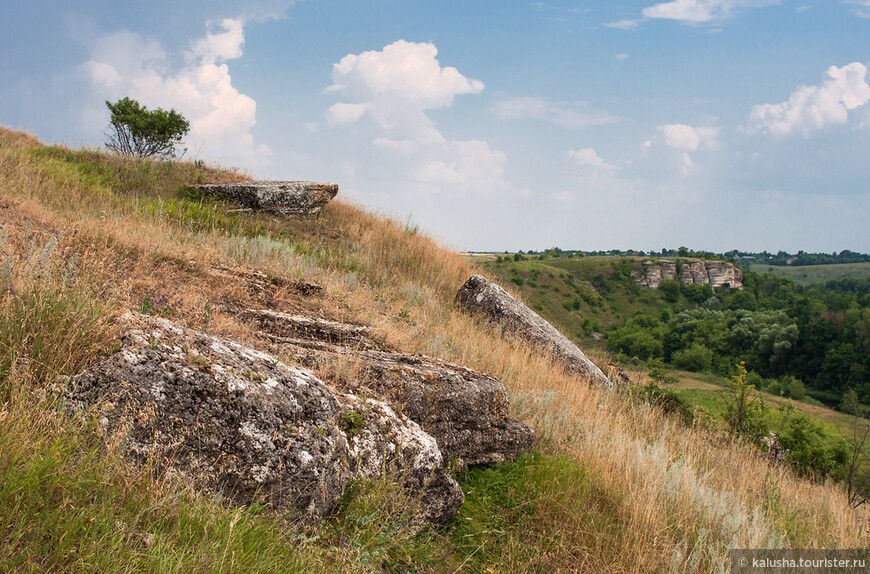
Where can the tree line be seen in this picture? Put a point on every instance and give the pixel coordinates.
(813, 340)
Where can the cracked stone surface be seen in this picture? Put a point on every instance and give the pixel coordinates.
(281, 197)
(238, 421)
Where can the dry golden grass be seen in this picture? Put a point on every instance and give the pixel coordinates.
(663, 497)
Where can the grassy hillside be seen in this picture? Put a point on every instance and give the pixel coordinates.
(811, 274)
(582, 295)
(613, 486)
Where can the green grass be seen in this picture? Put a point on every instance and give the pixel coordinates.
(508, 523)
(71, 507)
(710, 394)
(811, 274)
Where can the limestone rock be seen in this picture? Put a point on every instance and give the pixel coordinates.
(654, 272)
(261, 285)
(302, 328)
(282, 197)
(724, 274)
(716, 273)
(235, 420)
(698, 271)
(465, 410)
(480, 295)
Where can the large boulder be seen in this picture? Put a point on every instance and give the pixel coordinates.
(282, 197)
(480, 295)
(238, 421)
(465, 410)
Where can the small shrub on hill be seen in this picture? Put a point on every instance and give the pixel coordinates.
(697, 358)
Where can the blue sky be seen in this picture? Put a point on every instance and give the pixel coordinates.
(715, 124)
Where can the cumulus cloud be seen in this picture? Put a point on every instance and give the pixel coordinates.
(342, 113)
(701, 11)
(404, 71)
(588, 157)
(393, 89)
(688, 138)
(811, 108)
(221, 118)
(571, 115)
(684, 138)
(223, 45)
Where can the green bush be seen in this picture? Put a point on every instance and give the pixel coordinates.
(697, 293)
(697, 358)
(670, 290)
(789, 387)
(668, 400)
(809, 450)
(637, 344)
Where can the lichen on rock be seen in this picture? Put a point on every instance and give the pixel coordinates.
(236, 420)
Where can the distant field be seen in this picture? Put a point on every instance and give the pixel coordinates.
(808, 274)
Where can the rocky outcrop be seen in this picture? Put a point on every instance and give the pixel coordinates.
(466, 411)
(238, 421)
(724, 274)
(260, 285)
(654, 272)
(281, 197)
(480, 295)
(716, 273)
(300, 329)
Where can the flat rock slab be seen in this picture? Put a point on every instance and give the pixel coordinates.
(480, 295)
(238, 421)
(281, 197)
(310, 329)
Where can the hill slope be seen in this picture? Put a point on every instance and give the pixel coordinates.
(614, 486)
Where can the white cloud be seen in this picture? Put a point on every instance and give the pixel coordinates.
(588, 157)
(342, 113)
(628, 24)
(468, 167)
(621, 57)
(684, 138)
(405, 71)
(701, 11)
(571, 115)
(225, 45)
(688, 138)
(128, 64)
(394, 88)
(812, 108)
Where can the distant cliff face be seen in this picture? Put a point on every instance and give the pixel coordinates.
(716, 273)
